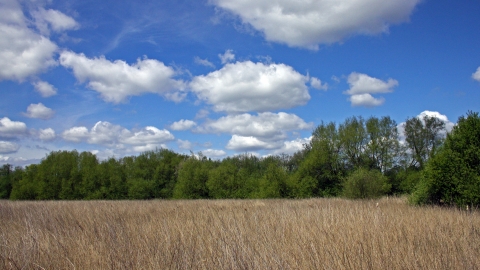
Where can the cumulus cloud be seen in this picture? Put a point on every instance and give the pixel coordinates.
(203, 62)
(47, 134)
(267, 125)
(293, 146)
(8, 147)
(184, 144)
(53, 19)
(39, 111)
(250, 143)
(23, 52)
(448, 124)
(476, 75)
(214, 153)
(44, 88)
(183, 125)
(363, 86)
(227, 57)
(117, 80)
(247, 86)
(11, 129)
(309, 23)
(317, 84)
(105, 133)
(366, 100)
(265, 131)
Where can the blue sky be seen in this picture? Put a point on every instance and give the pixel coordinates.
(224, 77)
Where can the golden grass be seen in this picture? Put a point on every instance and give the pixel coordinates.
(236, 234)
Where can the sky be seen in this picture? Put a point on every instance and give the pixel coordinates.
(224, 77)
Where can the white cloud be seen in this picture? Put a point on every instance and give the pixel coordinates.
(76, 134)
(105, 133)
(8, 147)
(149, 147)
(362, 86)
(54, 19)
(39, 111)
(23, 52)
(308, 23)
(248, 86)
(117, 80)
(317, 84)
(291, 147)
(448, 124)
(183, 125)
(476, 75)
(47, 134)
(366, 100)
(203, 62)
(250, 143)
(44, 88)
(213, 153)
(202, 114)
(265, 131)
(267, 125)
(185, 145)
(227, 57)
(11, 129)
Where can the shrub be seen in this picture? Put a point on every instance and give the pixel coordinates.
(452, 176)
(365, 184)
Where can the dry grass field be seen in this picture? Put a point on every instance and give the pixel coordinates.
(237, 234)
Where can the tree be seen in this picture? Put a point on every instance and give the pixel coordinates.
(193, 175)
(365, 184)
(353, 138)
(423, 136)
(319, 174)
(5, 181)
(383, 145)
(452, 176)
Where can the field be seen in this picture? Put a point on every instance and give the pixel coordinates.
(236, 234)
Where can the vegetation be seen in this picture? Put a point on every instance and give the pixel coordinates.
(236, 234)
(452, 176)
(358, 158)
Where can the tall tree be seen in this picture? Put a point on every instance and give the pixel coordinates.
(452, 176)
(353, 138)
(383, 145)
(423, 136)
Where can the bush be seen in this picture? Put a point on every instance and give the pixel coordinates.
(365, 184)
(452, 176)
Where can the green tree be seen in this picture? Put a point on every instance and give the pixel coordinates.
(383, 146)
(320, 172)
(353, 139)
(193, 174)
(423, 137)
(224, 181)
(365, 184)
(5, 181)
(452, 176)
(26, 188)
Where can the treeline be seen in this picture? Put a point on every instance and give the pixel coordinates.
(359, 158)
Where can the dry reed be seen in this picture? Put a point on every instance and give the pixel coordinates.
(237, 234)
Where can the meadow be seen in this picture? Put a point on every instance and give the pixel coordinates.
(237, 234)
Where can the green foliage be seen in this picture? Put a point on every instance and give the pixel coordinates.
(272, 184)
(423, 137)
(5, 181)
(192, 179)
(452, 176)
(365, 184)
(366, 150)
